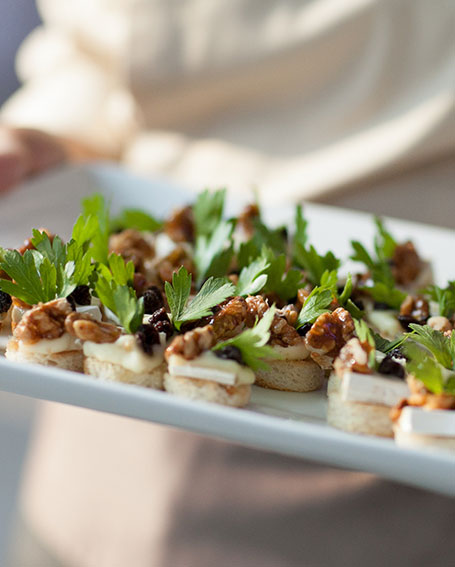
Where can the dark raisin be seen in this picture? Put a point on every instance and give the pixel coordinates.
(71, 301)
(391, 367)
(406, 320)
(230, 352)
(164, 327)
(381, 306)
(81, 295)
(304, 329)
(158, 315)
(5, 302)
(146, 337)
(153, 299)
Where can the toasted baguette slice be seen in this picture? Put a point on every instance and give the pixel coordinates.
(356, 417)
(68, 360)
(117, 373)
(207, 391)
(291, 376)
(419, 441)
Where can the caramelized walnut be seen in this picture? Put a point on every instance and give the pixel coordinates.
(329, 333)
(132, 246)
(84, 327)
(414, 309)
(229, 318)
(193, 343)
(172, 262)
(289, 313)
(421, 397)
(405, 264)
(353, 357)
(281, 332)
(180, 225)
(44, 321)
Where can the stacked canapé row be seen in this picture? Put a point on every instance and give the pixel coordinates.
(204, 307)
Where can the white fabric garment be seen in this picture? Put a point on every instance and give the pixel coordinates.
(296, 98)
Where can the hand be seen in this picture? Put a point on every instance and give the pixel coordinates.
(25, 152)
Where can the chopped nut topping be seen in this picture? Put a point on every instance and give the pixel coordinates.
(302, 295)
(416, 307)
(290, 313)
(180, 225)
(421, 397)
(132, 246)
(281, 332)
(84, 327)
(353, 357)
(230, 318)
(440, 323)
(328, 335)
(44, 321)
(193, 343)
(171, 263)
(405, 264)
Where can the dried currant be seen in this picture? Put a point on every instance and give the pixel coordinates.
(5, 302)
(153, 299)
(81, 295)
(146, 337)
(391, 367)
(230, 352)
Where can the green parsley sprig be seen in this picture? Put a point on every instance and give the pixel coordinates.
(213, 292)
(252, 343)
(444, 297)
(208, 211)
(281, 280)
(213, 252)
(135, 219)
(253, 278)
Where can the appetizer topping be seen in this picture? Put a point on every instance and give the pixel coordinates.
(29, 244)
(230, 352)
(353, 357)
(439, 323)
(329, 333)
(5, 302)
(193, 343)
(180, 225)
(390, 366)
(80, 295)
(171, 263)
(84, 327)
(414, 309)
(229, 317)
(405, 263)
(45, 321)
(444, 297)
(212, 293)
(132, 246)
(289, 313)
(146, 337)
(140, 283)
(281, 332)
(153, 299)
(161, 323)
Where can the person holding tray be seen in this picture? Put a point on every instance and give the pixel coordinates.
(301, 100)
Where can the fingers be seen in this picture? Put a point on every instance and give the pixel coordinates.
(24, 152)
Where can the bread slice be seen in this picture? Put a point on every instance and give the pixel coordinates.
(67, 360)
(291, 376)
(355, 417)
(207, 390)
(419, 441)
(117, 373)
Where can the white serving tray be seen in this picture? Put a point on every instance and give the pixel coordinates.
(287, 423)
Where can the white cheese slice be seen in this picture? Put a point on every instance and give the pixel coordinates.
(293, 352)
(385, 322)
(428, 422)
(92, 310)
(209, 367)
(373, 389)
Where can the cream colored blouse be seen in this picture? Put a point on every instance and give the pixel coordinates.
(304, 96)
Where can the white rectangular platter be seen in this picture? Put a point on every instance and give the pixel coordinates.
(287, 423)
